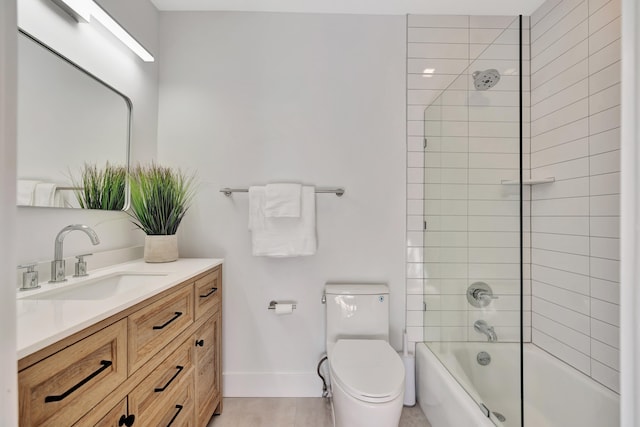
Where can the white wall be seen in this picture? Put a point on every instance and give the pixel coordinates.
(575, 77)
(251, 98)
(455, 183)
(93, 48)
(8, 383)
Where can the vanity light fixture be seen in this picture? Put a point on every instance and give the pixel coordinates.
(110, 24)
(84, 10)
(80, 10)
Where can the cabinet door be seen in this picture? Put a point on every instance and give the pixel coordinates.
(207, 339)
(217, 362)
(205, 371)
(63, 387)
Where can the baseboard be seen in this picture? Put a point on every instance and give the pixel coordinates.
(271, 384)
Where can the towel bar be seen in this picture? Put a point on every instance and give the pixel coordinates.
(337, 191)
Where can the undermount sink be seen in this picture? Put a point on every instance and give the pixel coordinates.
(101, 288)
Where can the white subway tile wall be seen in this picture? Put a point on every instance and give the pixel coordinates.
(575, 136)
(454, 183)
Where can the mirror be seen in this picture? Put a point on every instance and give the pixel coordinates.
(68, 119)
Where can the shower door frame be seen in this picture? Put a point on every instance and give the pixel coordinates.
(521, 137)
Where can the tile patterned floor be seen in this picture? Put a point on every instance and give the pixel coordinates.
(291, 412)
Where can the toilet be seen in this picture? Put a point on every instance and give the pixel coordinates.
(366, 373)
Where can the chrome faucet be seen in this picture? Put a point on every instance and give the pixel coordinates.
(483, 327)
(479, 294)
(58, 263)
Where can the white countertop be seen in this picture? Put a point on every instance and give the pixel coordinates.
(41, 322)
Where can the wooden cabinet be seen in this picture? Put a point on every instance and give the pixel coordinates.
(146, 366)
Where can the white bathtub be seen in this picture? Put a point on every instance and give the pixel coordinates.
(556, 395)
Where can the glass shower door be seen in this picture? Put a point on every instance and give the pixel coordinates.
(473, 261)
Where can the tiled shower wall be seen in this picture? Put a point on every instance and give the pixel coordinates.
(472, 219)
(575, 113)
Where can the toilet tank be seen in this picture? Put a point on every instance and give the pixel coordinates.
(356, 311)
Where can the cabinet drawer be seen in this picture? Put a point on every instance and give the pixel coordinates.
(154, 326)
(155, 392)
(178, 413)
(208, 292)
(116, 417)
(65, 386)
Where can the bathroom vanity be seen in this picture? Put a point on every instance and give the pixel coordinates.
(136, 344)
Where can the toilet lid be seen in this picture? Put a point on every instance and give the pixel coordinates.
(368, 370)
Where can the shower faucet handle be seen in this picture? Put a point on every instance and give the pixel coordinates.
(482, 294)
(479, 294)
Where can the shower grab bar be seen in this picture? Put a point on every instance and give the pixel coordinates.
(337, 191)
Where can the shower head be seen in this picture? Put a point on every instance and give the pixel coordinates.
(486, 79)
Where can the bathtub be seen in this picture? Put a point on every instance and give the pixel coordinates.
(556, 395)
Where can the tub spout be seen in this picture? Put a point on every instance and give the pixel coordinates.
(483, 327)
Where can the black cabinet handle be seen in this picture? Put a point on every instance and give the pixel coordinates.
(126, 421)
(177, 314)
(213, 290)
(200, 343)
(179, 408)
(105, 364)
(161, 389)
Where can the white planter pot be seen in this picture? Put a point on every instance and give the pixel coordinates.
(161, 248)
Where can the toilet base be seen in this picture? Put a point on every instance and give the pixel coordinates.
(352, 412)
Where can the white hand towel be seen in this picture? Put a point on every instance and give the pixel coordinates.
(256, 203)
(282, 237)
(26, 192)
(45, 194)
(282, 200)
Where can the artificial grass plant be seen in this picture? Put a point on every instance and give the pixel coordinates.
(101, 188)
(160, 197)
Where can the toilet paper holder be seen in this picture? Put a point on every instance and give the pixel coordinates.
(272, 304)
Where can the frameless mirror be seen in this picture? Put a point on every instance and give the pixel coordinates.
(68, 121)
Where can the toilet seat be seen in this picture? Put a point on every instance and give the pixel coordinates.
(369, 370)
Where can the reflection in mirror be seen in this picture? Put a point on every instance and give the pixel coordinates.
(68, 119)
